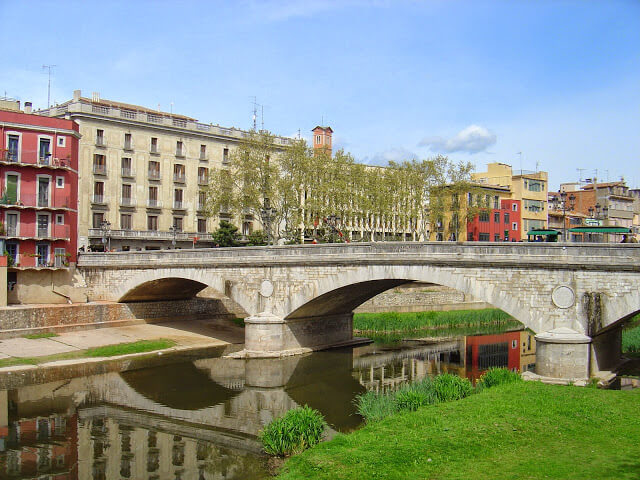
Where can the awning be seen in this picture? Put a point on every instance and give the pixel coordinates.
(595, 229)
(544, 232)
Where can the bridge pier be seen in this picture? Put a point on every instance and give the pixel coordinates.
(563, 354)
(268, 335)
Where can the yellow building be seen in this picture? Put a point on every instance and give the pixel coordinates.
(142, 173)
(529, 187)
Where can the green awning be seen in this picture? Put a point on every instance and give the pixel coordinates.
(544, 232)
(596, 229)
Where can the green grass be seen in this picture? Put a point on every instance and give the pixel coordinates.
(34, 336)
(415, 321)
(631, 340)
(297, 430)
(524, 430)
(106, 351)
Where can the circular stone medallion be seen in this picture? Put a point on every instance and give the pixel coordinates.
(266, 288)
(563, 297)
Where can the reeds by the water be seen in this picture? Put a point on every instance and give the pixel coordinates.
(293, 433)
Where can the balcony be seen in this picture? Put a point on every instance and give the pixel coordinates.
(154, 175)
(127, 202)
(33, 158)
(49, 231)
(204, 157)
(127, 172)
(149, 234)
(154, 150)
(180, 152)
(55, 201)
(101, 142)
(98, 199)
(99, 169)
(203, 180)
(179, 178)
(179, 205)
(154, 203)
(128, 146)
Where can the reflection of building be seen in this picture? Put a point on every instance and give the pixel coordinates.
(41, 447)
(528, 187)
(528, 351)
(487, 351)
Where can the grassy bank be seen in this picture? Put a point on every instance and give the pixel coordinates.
(523, 430)
(411, 322)
(141, 346)
(631, 340)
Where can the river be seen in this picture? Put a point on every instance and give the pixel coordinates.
(199, 419)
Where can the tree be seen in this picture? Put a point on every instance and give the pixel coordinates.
(226, 235)
(257, 238)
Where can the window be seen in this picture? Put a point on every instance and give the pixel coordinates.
(42, 252)
(203, 152)
(154, 170)
(177, 223)
(44, 151)
(11, 224)
(12, 251)
(42, 220)
(152, 223)
(59, 219)
(98, 192)
(514, 226)
(177, 198)
(506, 218)
(496, 202)
(125, 165)
(514, 207)
(59, 182)
(484, 237)
(469, 236)
(179, 149)
(534, 205)
(99, 164)
(496, 237)
(60, 258)
(127, 142)
(202, 225)
(62, 141)
(13, 148)
(178, 173)
(202, 200)
(203, 175)
(318, 139)
(225, 156)
(484, 216)
(100, 137)
(125, 221)
(98, 218)
(534, 185)
(126, 194)
(12, 182)
(153, 197)
(496, 217)
(154, 145)
(43, 191)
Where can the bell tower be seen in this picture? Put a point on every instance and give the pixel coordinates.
(322, 140)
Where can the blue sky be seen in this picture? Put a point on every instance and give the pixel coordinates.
(479, 81)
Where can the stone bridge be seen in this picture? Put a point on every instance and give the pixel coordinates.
(301, 298)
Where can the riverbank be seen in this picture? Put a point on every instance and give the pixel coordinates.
(522, 430)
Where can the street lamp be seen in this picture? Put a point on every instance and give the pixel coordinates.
(268, 213)
(174, 233)
(105, 227)
(562, 203)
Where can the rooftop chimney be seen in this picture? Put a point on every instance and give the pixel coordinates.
(76, 95)
(27, 107)
(95, 97)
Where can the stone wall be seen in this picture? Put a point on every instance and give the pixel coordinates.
(21, 320)
(47, 286)
(420, 297)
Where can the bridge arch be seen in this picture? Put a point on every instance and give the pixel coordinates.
(341, 293)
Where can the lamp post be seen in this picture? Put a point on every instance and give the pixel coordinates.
(105, 227)
(332, 221)
(599, 213)
(268, 213)
(562, 203)
(174, 234)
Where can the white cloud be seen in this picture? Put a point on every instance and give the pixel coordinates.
(396, 154)
(472, 139)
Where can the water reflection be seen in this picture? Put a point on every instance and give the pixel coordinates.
(200, 419)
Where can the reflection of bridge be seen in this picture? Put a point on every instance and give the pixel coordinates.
(302, 297)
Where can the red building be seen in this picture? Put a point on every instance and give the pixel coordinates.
(39, 190)
(487, 351)
(497, 224)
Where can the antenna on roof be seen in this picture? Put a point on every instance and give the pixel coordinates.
(580, 170)
(254, 117)
(48, 67)
(520, 153)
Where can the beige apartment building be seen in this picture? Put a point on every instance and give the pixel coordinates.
(529, 187)
(142, 174)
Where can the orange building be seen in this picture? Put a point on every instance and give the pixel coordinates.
(322, 140)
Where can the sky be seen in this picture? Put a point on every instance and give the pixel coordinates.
(548, 85)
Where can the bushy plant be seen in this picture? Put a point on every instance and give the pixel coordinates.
(375, 406)
(451, 387)
(226, 235)
(297, 430)
(257, 238)
(497, 376)
(411, 400)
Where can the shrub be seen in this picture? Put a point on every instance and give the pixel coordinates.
(411, 400)
(293, 433)
(375, 406)
(497, 376)
(451, 387)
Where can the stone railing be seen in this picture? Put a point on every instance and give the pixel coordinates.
(605, 257)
